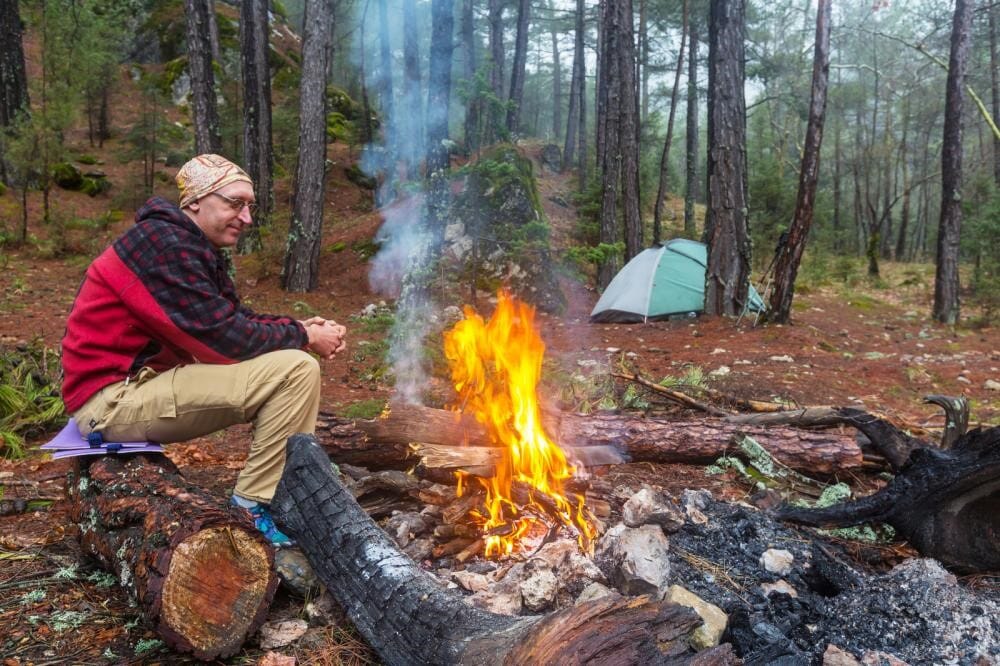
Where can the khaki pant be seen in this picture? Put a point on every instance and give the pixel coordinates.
(277, 391)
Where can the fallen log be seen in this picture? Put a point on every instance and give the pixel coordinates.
(201, 573)
(946, 503)
(409, 617)
(639, 439)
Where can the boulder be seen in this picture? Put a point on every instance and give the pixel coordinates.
(714, 619)
(648, 507)
(635, 559)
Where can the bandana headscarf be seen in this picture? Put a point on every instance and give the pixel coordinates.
(206, 174)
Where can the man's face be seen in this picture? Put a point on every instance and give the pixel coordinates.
(221, 215)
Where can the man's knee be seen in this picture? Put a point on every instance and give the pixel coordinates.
(297, 365)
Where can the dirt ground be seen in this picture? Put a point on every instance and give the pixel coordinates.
(849, 344)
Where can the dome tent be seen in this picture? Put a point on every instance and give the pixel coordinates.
(659, 282)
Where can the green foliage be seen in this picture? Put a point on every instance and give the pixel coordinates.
(362, 409)
(492, 110)
(980, 238)
(596, 255)
(67, 176)
(366, 248)
(377, 323)
(30, 402)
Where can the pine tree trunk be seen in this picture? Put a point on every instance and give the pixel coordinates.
(13, 78)
(661, 190)
(610, 120)
(516, 97)
(385, 90)
(205, 116)
(904, 167)
(946, 284)
(581, 143)
(213, 30)
(413, 119)
(629, 128)
(305, 232)
(439, 84)
(556, 78)
(258, 157)
(472, 138)
(497, 51)
(575, 94)
(201, 573)
(644, 61)
(995, 88)
(789, 253)
(726, 229)
(691, 143)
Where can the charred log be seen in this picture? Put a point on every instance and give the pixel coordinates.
(638, 439)
(945, 503)
(408, 617)
(202, 574)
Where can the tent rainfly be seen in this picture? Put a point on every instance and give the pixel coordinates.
(660, 282)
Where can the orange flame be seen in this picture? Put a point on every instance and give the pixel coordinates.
(495, 368)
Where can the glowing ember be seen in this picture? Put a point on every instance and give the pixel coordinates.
(495, 367)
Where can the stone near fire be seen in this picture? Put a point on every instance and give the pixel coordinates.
(295, 572)
(777, 561)
(635, 559)
(573, 569)
(694, 503)
(473, 582)
(780, 586)
(648, 507)
(279, 634)
(879, 658)
(714, 619)
(420, 549)
(594, 591)
(539, 587)
(504, 598)
(324, 611)
(834, 656)
(405, 526)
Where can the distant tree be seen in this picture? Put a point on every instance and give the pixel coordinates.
(413, 119)
(205, 116)
(556, 75)
(258, 156)
(516, 97)
(474, 105)
(789, 253)
(13, 79)
(691, 132)
(946, 284)
(439, 84)
(609, 137)
(576, 98)
(385, 86)
(629, 129)
(727, 234)
(497, 51)
(994, 87)
(305, 233)
(661, 191)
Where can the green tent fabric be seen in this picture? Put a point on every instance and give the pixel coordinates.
(659, 282)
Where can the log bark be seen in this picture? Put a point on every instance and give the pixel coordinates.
(202, 574)
(382, 442)
(945, 503)
(408, 617)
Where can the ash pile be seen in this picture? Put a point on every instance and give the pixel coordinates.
(776, 594)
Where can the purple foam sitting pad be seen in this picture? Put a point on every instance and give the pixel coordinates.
(70, 443)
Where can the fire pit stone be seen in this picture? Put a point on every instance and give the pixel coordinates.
(635, 559)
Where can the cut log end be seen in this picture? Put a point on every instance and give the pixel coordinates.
(218, 581)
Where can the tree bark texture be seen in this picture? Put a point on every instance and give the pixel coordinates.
(629, 128)
(258, 157)
(408, 617)
(384, 442)
(306, 228)
(201, 572)
(439, 84)
(472, 110)
(789, 253)
(994, 88)
(946, 284)
(610, 145)
(412, 124)
(556, 76)
(516, 97)
(691, 130)
(727, 232)
(945, 503)
(204, 114)
(581, 143)
(497, 52)
(576, 99)
(390, 131)
(13, 79)
(661, 190)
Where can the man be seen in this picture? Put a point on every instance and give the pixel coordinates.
(158, 346)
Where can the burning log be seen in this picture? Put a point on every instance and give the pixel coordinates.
(202, 574)
(944, 502)
(639, 439)
(408, 617)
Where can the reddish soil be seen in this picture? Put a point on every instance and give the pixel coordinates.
(860, 346)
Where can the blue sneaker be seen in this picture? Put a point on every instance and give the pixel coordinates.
(265, 524)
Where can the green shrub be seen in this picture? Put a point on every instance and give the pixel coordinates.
(67, 176)
(30, 402)
(363, 409)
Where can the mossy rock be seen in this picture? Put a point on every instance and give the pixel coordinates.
(339, 101)
(359, 177)
(94, 185)
(67, 176)
(87, 158)
(338, 128)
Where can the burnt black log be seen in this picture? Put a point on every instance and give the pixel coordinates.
(409, 617)
(946, 503)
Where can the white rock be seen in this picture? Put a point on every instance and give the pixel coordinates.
(721, 371)
(718, 350)
(991, 385)
(502, 602)
(613, 350)
(539, 588)
(777, 561)
(781, 586)
(963, 379)
(879, 658)
(594, 591)
(472, 582)
(785, 358)
(834, 656)
(569, 564)
(279, 634)
(649, 508)
(714, 619)
(635, 560)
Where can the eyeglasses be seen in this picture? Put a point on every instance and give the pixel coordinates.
(237, 204)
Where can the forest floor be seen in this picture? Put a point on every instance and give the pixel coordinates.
(852, 342)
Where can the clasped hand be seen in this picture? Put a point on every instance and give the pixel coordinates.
(326, 337)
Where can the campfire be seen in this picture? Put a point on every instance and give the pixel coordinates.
(495, 368)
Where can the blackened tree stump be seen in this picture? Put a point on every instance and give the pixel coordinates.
(409, 617)
(202, 574)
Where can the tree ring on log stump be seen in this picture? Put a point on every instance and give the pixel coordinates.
(211, 594)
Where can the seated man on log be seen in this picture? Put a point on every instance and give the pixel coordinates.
(158, 346)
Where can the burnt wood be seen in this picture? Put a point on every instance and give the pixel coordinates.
(199, 570)
(409, 617)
